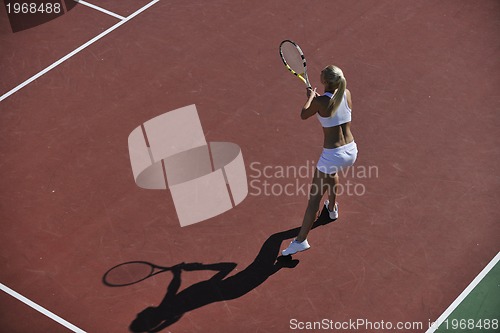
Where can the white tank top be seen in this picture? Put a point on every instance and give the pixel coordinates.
(341, 116)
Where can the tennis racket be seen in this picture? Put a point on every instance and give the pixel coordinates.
(131, 272)
(294, 60)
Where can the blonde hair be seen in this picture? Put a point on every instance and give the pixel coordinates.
(334, 78)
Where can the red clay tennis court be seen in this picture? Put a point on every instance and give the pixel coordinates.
(418, 216)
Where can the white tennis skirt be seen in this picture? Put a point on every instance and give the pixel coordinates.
(333, 160)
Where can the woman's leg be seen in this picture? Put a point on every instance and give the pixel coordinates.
(332, 190)
(319, 186)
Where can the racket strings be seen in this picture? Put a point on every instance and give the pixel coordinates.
(293, 57)
(129, 273)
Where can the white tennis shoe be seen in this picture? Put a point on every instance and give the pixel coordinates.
(295, 247)
(334, 214)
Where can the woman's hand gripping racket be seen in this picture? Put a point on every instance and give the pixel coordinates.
(294, 60)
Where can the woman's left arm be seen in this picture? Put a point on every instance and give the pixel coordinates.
(310, 107)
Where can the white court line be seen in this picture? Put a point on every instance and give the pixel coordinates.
(41, 309)
(69, 55)
(464, 294)
(100, 9)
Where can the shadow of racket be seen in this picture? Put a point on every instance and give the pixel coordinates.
(128, 273)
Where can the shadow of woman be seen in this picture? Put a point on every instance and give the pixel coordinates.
(218, 288)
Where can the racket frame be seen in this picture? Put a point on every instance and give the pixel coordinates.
(154, 269)
(302, 76)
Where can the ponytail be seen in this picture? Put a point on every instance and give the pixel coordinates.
(337, 98)
(334, 79)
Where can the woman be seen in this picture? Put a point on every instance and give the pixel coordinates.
(333, 110)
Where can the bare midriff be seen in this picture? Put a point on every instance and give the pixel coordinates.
(337, 136)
